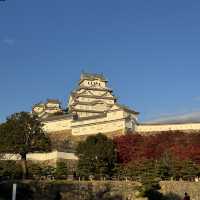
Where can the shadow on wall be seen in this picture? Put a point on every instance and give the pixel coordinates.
(171, 196)
(58, 192)
(89, 195)
(24, 192)
(154, 194)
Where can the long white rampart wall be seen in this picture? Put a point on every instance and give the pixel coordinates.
(54, 155)
(167, 127)
(113, 120)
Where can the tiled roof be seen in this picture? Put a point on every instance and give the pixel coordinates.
(90, 76)
(53, 101)
(127, 109)
(57, 117)
(40, 104)
(85, 110)
(94, 97)
(91, 117)
(91, 103)
(92, 88)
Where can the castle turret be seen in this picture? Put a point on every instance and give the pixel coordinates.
(92, 97)
(50, 107)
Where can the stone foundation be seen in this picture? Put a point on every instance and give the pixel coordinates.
(180, 187)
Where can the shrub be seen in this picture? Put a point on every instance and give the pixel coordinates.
(61, 171)
(10, 170)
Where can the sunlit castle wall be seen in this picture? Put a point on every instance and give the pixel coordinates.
(57, 123)
(145, 128)
(114, 121)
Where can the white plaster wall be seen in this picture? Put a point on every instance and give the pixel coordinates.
(66, 124)
(112, 122)
(55, 155)
(9, 156)
(87, 99)
(94, 92)
(51, 111)
(107, 126)
(96, 107)
(111, 115)
(168, 127)
(51, 156)
(52, 105)
(57, 125)
(100, 93)
(115, 114)
(88, 83)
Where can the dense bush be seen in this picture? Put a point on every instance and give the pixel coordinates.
(97, 157)
(61, 171)
(38, 171)
(34, 170)
(10, 170)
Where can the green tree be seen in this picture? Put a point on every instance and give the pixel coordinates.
(97, 156)
(61, 171)
(10, 170)
(165, 166)
(22, 133)
(146, 172)
(189, 170)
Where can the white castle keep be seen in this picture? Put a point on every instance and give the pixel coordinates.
(92, 108)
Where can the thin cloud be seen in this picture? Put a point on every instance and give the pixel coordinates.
(8, 41)
(181, 118)
(197, 98)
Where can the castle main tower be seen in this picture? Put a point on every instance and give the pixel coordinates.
(92, 97)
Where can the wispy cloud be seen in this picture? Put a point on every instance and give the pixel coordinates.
(197, 98)
(8, 41)
(178, 118)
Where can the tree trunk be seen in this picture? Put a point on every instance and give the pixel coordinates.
(24, 166)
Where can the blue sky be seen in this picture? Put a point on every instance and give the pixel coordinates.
(148, 50)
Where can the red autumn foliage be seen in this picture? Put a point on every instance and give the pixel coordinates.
(133, 147)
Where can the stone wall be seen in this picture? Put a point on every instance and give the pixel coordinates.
(62, 141)
(180, 187)
(95, 190)
(71, 190)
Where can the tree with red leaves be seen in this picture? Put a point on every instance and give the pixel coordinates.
(184, 146)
